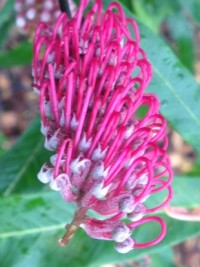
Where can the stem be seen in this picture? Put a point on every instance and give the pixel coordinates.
(72, 228)
(64, 7)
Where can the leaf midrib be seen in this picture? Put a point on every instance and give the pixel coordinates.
(32, 231)
(178, 96)
(54, 227)
(27, 163)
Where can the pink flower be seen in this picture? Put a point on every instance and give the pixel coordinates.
(91, 75)
(31, 12)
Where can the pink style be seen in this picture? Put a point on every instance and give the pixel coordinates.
(91, 73)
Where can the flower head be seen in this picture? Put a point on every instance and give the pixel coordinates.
(30, 12)
(91, 74)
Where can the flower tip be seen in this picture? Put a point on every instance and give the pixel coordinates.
(127, 204)
(125, 246)
(45, 174)
(120, 233)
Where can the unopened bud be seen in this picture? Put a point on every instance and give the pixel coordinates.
(120, 233)
(45, 175)
(138, 213)
(127, 204)
(125, 246)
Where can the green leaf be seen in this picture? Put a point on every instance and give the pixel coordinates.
(153, 12)
(26, 207)
(20, 165)
(2, 141)
(183, 36)
(19, 56)
(195, 169)
(6, 12)
(170, 83)
(191, 8)
(174, 85)
(32, 224)
(164, 258)
(41, 249)
(5, 29)
(128, 4)
(186, 193)
(6, 20)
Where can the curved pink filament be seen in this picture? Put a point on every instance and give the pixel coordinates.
(102, 126)
(69, 95)
(52, 93)
(82, 117)
(93, 117)
(60, 155)
(166, 201)
(42, 102)
(157, 239)
(62, 17)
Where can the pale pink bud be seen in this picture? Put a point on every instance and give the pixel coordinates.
(137, 213)
(120, 233)
(46, 174)
(125, 246)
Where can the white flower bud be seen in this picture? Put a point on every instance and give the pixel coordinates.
(99, 171)
(59, 182)
(77, 165)
(44, 129)
(53, 159)
(129, 131)
(45, 16)
(143, 179)
(47, 108)
(138, 213)
(53, 142)
(20, 22)
(98, 154)
(84, 144)
(62, 119)
(46, 174)
(73, 123)
(48, 4)
(127, 204)
(98, 190)
(125, 246)
(121, 233)
(31, 13)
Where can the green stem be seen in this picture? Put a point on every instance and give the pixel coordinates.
(72, 228)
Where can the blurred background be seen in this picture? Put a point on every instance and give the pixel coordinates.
(176, 21)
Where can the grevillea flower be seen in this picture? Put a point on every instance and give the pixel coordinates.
(91, 74)
(30, 12)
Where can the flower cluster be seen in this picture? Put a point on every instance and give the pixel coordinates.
(91, 74)
(30, 12)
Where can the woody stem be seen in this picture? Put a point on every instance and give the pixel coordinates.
(72, 228)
